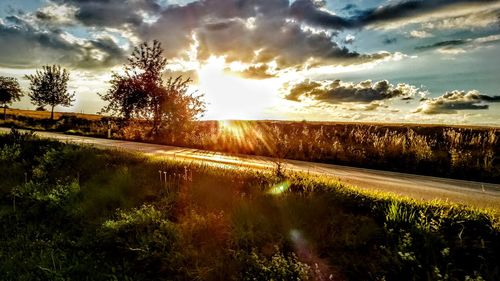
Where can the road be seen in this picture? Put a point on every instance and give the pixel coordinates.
(476, 194)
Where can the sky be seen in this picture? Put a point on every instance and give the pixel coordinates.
(425, 61)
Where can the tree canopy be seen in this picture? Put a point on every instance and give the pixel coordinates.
(142, 93)
(49, 86)
(9, 92)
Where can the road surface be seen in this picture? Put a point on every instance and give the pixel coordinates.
(471, 193)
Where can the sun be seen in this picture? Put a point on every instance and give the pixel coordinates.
(231, 97)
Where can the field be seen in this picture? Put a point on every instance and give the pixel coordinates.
(469, 153)
(78, 213)
(46, 114)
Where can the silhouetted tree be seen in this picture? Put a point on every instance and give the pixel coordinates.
(49, 86)
(177, 106)
(141, 92)
(9, 92)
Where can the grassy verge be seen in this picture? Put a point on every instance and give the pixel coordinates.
(78, 213)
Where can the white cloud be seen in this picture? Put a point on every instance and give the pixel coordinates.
(420, 34)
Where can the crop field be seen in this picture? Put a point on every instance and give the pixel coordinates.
(463, 152)
(46, 114)
(78, 213)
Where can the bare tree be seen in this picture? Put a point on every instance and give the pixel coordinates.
(9, 92)
(49, 86)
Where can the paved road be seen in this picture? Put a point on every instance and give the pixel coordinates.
(420, 187)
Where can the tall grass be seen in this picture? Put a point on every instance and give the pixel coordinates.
(468, 153)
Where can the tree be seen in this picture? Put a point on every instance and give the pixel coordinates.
(49, 86)
(141, 92)
(9, 92)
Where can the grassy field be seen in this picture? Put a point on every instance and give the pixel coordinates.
(46, 114)
(78, 213)
(463, 152)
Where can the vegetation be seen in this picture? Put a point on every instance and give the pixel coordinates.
(458, 152)
(141, 93)
(49, 86)
(9, 92)
(78, 213)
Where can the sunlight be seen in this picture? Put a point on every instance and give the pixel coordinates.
(229, 127)
(236, 134)
(232, 97)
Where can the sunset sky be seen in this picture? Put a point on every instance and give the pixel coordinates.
(427, 61)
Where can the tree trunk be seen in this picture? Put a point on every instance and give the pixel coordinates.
(52, 113)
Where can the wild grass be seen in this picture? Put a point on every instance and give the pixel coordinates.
(457, 152)
(78, 213)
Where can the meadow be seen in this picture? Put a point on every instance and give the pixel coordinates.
(72, 212)
(462, 152)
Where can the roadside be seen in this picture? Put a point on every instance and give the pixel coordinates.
(476, 194)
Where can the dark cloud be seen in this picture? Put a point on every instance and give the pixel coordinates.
(458, 46)
(252, 31)
(406, 9)
(31, 47)
(311, 12)
(440, 44)
(304, 88)
(340, 92)
(257, 72)
(487, 98)
(452, 102)
(44, 16)
(255, 32)
(314, 12)
(111, 13)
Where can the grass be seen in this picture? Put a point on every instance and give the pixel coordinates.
(78, 213)
(469, 153)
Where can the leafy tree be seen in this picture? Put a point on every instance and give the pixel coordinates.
(142, 93)
(9, 92)
(49, 86)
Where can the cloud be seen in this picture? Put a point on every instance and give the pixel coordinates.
(313, 12)
(110, 13)
(476, 18)
(438, 14)
(452, 102)
(349, 39)
(374, 106)
(459, 46)
(402, 13)
(342, 92)
(250, 32)
(54, 14)
(29, 46)
(420, 34)
(257, 72)
(440, 44)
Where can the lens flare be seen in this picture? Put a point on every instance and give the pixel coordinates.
(242, 136)
(279, 188)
